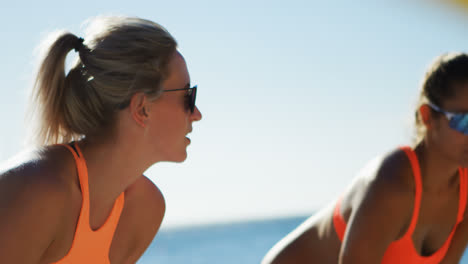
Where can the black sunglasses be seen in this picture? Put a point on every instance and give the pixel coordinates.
(191, 96)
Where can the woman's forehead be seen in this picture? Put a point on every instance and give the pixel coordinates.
(178, 73)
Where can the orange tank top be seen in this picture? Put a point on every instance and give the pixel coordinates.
(91, 246)
(402, 251)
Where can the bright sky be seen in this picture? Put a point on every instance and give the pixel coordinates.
(296, 95)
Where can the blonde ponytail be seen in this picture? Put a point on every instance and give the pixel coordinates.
(47, 98)
(119, 57)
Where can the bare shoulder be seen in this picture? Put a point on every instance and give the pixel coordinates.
(388, 176)
(393, 183)
(396, 170)
(386, 185)
(45, 164)
(37, 174)
(148, 195)
(384, 199)
(37, 171)
(145, 208)
(33, 196)
(152, 190)
(145, 202)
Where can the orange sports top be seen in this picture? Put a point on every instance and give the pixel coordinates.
(402, 251)
(91, 246)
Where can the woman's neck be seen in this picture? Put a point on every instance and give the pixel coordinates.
(438, 173)
(113, 165)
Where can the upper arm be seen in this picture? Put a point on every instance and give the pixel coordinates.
(30, 211)
(154, 202)
(378, 217)
(150, 216)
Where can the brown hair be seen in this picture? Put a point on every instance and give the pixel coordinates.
(119, 57)
(439, 84)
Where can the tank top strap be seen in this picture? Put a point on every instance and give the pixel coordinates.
(463, 192)
(82, 176)
(75, 154)
(418, 187)
(84, 171)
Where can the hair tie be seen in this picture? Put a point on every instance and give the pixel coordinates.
(79, 44)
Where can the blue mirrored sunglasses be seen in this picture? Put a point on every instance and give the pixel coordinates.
(457, 121)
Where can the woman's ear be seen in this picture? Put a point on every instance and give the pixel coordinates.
(425, 113)
(139, 108)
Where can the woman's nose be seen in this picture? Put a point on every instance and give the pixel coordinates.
(196, 115)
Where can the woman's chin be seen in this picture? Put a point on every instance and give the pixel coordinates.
(180, 157)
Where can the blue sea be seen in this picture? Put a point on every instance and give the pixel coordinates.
(234, 243)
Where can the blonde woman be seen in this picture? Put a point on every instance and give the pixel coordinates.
(407, 206)
(126, 104)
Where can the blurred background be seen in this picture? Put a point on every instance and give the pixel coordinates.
(296, 96)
